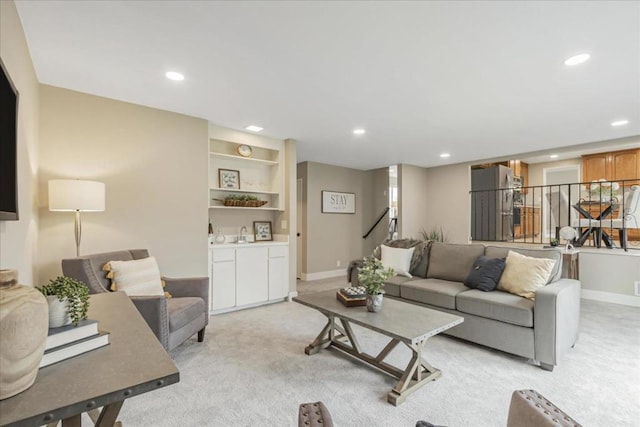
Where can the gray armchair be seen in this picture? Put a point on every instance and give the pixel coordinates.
(172, 320)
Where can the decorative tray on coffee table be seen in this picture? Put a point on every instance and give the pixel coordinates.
(353, 296)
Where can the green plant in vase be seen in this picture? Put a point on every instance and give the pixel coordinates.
(372, 276)
(68, 300)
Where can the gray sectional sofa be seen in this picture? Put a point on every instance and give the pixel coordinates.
(543, 329)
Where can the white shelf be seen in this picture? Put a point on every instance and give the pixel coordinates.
(230, 190)
(240, 207)
(247, 159)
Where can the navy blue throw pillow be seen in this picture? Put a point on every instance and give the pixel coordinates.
(485, 273)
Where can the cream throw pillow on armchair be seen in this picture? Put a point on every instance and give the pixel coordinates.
(140, 277)
(523, 275)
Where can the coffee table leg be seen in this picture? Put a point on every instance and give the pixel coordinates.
(417, 374)
(323, 340)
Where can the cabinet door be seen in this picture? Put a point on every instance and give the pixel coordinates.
(595, 167)
(278, 272)
(252, 275)
(223, 278)
(625, 165)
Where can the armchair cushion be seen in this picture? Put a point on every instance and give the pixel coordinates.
(184, 310)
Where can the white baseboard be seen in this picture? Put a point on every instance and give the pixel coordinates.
(324, 275)
(629, 300)
(292, 295)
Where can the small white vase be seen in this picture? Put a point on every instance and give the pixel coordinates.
(58, 312)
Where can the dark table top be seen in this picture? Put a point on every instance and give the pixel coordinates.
(133, 363)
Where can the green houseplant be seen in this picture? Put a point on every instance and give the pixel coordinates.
(435, 234)
(372, 276)
(68, 300)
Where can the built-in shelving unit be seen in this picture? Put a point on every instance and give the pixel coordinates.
(261, 174)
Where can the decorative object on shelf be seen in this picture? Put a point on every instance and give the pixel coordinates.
(245, 150)
(210, 229)
(24, 323)
(553, 242)
(74, 195)
(335, 202)
(372, 276)
(242, 200)
(262, 231)
(229, 178)
(68, 301)
(569, 234)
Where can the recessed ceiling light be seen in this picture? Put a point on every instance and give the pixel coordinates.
(554, 156)
(577, 59)
(445, 155)
(359, 131)
(620, 123)
(173, 75)
(253, 128)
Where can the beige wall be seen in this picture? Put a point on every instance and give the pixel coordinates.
(18, 239)
(331, 238)
(154, 165)
(413, 199)
(449, 203)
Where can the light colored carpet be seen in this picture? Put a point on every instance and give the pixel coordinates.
(252, 371)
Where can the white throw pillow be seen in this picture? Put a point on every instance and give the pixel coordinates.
(523, 275)
(397, 258)
(140, 277)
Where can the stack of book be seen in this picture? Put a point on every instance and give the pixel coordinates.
(353, 296)
(69, 341)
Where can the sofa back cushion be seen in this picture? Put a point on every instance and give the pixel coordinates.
(554, 254)
(453, 262)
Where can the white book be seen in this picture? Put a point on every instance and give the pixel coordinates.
(75, 348)
(70, 333)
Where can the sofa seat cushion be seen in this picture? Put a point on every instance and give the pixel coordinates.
(392, 285)
(497, 305)
(441, 293)
(183, 310)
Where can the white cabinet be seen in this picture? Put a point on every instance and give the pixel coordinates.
(259, 176)
(252, 275)
(247, 275)
(223, 278)
(278, 272)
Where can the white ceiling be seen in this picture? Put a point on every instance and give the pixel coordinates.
(476, 79)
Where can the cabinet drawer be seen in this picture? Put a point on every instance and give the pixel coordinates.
(224, 255)
(278, 251)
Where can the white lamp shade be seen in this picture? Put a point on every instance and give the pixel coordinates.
(76, 195)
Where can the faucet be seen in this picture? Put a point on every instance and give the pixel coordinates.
(241, 238)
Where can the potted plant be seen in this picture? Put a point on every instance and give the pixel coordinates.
(68, 300)
(372, 276)
(553, 241)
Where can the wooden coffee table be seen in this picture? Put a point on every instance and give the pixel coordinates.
(403, 322)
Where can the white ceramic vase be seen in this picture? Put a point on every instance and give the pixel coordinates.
(23, 333)
(58, 312)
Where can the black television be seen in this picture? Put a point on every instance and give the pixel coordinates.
(8, 147)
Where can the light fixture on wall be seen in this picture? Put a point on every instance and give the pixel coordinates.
(74, 195)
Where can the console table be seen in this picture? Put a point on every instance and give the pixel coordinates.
(133, 363)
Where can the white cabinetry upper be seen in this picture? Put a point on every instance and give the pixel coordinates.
(255, 177)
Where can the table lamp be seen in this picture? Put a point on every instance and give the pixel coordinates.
(74, 195)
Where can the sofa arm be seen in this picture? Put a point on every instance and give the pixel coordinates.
(154, 311)
(556, 320)
(188, 287)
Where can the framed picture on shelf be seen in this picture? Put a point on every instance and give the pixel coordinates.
(229, 179)
(262, 231)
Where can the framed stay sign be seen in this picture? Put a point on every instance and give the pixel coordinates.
(335, 202)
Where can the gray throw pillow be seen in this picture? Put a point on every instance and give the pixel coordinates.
(485, 273)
